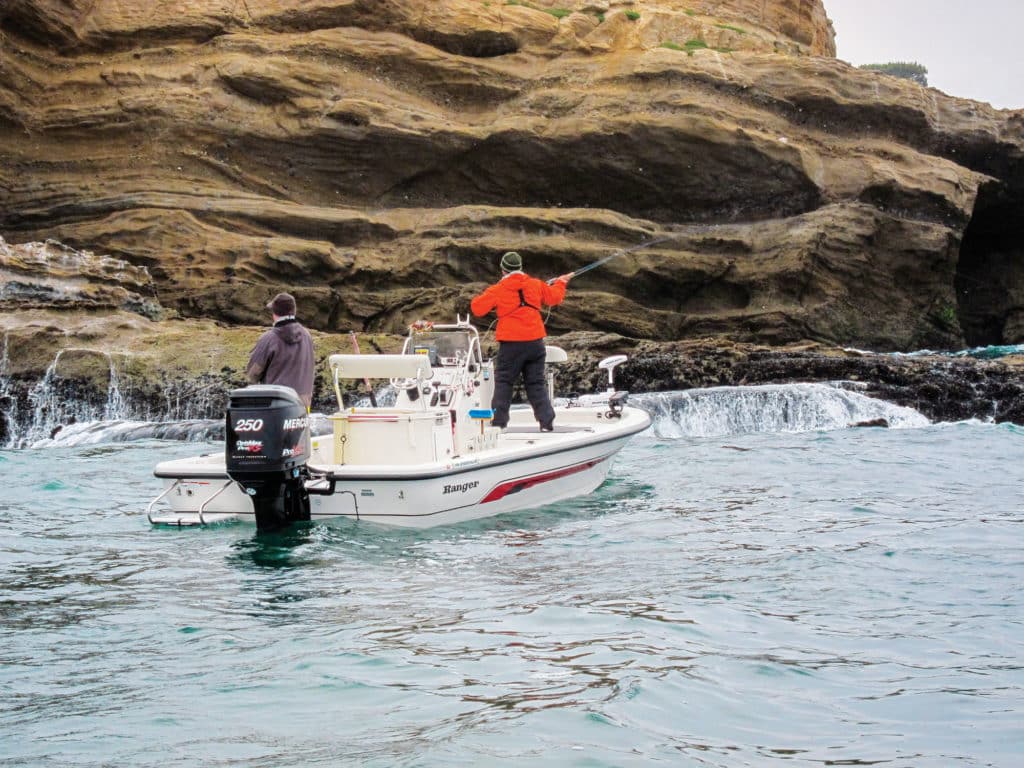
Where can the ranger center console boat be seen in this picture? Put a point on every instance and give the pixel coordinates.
(430, 458)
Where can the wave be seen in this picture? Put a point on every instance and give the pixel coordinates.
(123, 431)
(721, 411)
(713, 412)
(993, 352)
(126, 431)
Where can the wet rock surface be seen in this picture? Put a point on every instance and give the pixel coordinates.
(941, 388)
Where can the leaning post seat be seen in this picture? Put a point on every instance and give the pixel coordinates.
(381, 366)
(414, 369)
(553, 355)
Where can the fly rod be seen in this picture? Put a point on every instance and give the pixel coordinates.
(615, 255)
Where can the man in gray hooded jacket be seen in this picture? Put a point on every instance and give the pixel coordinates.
(284, 354)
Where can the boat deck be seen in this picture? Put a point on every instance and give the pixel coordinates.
(534, 429)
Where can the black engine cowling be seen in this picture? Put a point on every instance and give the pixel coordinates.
(266, 448)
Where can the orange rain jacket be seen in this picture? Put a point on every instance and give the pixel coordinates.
(516, 321)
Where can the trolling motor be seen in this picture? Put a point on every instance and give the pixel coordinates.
(614, 399)
(266, 448)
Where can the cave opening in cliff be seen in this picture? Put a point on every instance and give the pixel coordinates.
(990, 273)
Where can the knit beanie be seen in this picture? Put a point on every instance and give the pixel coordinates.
(511, 262)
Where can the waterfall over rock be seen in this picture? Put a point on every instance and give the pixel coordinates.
(722, 411)
(60, 408)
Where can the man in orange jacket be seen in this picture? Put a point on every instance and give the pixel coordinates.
(518, 299)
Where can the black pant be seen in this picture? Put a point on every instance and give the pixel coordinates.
(526, 357)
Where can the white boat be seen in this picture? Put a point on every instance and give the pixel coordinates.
(429, 458)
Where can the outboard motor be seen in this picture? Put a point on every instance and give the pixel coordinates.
(266, 448)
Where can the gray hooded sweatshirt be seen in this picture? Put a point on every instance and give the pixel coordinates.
(284, 355)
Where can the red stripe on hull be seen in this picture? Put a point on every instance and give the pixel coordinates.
(515, 486)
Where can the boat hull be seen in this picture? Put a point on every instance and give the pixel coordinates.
(470, 494)
(531, 470)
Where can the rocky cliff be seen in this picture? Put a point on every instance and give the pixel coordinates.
(377, 157)
(86, 344)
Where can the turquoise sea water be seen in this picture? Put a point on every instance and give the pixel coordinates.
(846, 597)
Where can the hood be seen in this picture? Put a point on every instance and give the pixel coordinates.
(290, 331)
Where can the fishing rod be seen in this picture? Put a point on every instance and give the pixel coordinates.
(616, 254)
(599, 262)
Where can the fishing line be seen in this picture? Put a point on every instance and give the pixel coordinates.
(606, 259)
(598, 263)
(616, 254)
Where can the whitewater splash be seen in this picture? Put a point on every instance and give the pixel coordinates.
(50, 408)
(994, 352)
(127, 431)
(53, 415)
(721, 411)
(8, 402)
(715, 412)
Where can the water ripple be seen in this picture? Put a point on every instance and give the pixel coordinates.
(836, 598)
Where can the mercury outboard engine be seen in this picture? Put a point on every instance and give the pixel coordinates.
(266, 450)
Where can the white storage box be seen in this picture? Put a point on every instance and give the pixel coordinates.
(384, 436)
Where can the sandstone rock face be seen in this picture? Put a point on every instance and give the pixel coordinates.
(477, 28)
(377, 157)
(51, 275)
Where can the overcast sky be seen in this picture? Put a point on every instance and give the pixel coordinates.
(972, 48)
